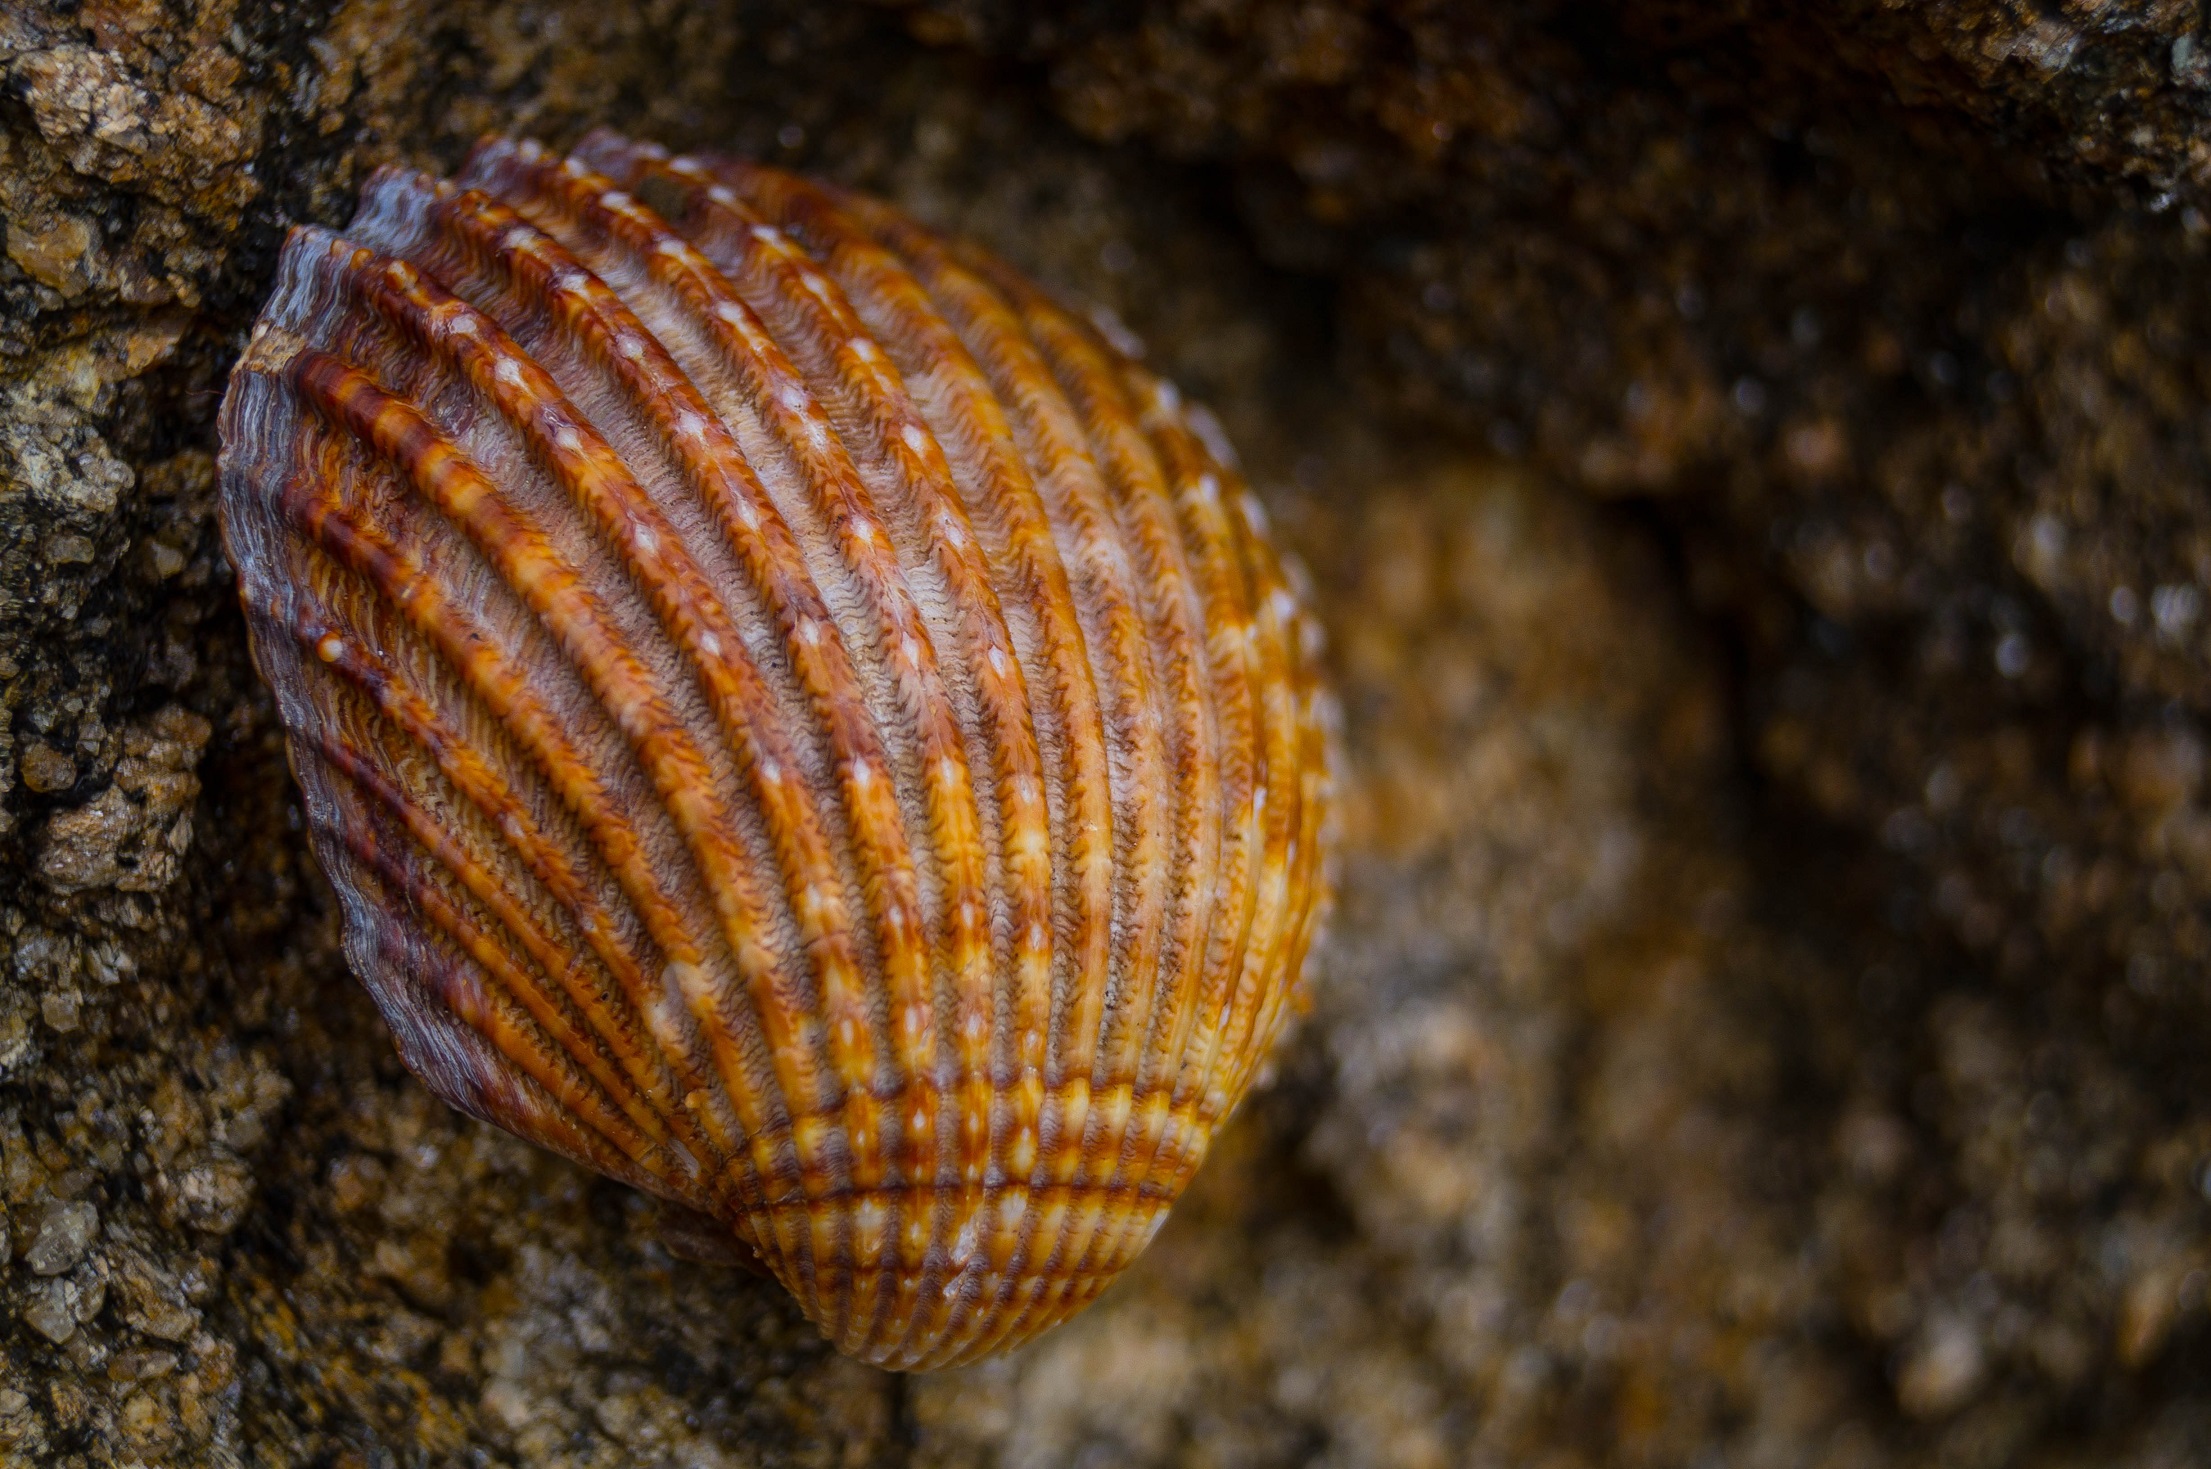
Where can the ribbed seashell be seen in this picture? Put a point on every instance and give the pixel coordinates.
(796, 721)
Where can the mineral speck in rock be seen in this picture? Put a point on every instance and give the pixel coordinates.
(55, 1307)
(46, 769)
(50, 1309)
(209, 1191)
(63, 1236)
(152, 1299)
(1942, 1369)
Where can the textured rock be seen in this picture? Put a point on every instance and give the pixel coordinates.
(1767, 1018)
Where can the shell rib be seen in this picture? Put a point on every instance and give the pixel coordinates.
(796, 721)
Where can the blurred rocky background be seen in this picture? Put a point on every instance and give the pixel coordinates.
(1756, 466)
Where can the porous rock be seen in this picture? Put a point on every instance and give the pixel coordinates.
(1764, 1021)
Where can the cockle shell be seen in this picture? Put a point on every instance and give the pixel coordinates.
(796, 721)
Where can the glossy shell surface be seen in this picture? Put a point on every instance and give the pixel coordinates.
(797, 721)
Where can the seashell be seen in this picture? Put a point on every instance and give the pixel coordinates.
(796, 721)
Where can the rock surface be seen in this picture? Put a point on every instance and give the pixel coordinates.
(1750, 459)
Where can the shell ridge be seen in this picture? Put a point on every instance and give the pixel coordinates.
(1310, 876)
(1324, 737)
(1251, 994)
(462, 1065)
(411, 716)
(827, 320)
(447, 1044)
(1135, 468)
(1070, 1068)
(961, 844)
(1283, 629)
(849, 1034)
(571, 611)
(407, 714)
(633, 216)
(309, 291)
(1222, 919)
(909, 323)
(430, 1040)
(892, 892)
(953, 531)
(644, 355)
(891, 885)
(1269, 671)
(1229, 951)
(526, 1036)
(1106, 1147)
(1196, 497)
(348, 658)
(1090, 543)
(1131, 475)
(326, 527)
(474, 655)
(850, 1051)
(688, 397)
(394, 209)
(597, 479)
(950, 815)
(783, 1012)
(558, 1011)
(1322, 726)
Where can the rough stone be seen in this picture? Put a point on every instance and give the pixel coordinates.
(50, 1309)
(133, 835)
(63, 1236)
(47, 770)
(1750, 459)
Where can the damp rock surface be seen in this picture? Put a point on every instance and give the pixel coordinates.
(1750, 463)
